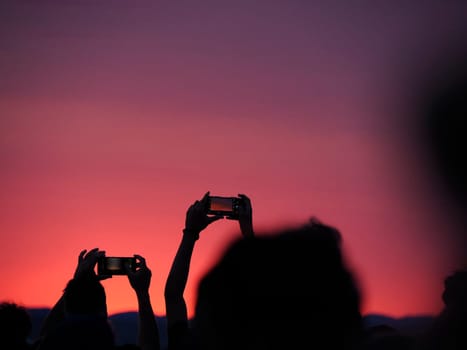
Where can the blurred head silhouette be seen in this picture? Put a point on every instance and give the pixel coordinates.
(282, 290)
(455, 291)
(443, 112)
(440, 103)
(449, 329)
(15, 326)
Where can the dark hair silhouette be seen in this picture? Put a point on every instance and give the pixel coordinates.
(449, 329)
(283, 290)
(455, 291)
(15, 326)
(85, 325)
(85, 296)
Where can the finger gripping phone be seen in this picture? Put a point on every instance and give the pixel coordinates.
(113, 265)
(224, 206)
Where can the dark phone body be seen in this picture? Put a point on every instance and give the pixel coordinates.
(112, 265)
(224, 206)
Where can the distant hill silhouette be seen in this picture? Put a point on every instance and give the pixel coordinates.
(409, 325)
(126, 324)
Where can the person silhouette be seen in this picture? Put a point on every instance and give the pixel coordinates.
(140, 280)
(15, 326)
(288, 289)
(179, 333)
(449, 329)
(79, 320)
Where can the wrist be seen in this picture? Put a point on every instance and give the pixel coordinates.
(142, 294)
(191, 233)
(247, 229)
(248, 234)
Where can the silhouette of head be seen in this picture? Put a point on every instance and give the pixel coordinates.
(278, 291)
(448, 331)
(455, 290)
(85, 296)
(86, 325)
(15, 325)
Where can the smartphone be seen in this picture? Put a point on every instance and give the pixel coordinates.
(224, 206)
(112, 265)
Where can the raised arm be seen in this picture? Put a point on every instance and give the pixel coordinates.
(148, 332)
(196, 221)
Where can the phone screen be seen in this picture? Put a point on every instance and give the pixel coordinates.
(116, 265)
(221, 204)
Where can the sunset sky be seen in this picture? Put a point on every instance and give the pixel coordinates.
(115, 116)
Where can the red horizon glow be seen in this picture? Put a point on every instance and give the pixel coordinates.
(110, 132)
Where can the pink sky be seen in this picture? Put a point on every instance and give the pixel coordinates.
(115, 118)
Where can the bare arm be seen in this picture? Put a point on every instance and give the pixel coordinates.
(175, 305)
(196, 221)
(148, 332)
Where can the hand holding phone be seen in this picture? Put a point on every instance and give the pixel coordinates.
(112, 265)
(227, 207)
(87, 261)
(141, 279)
